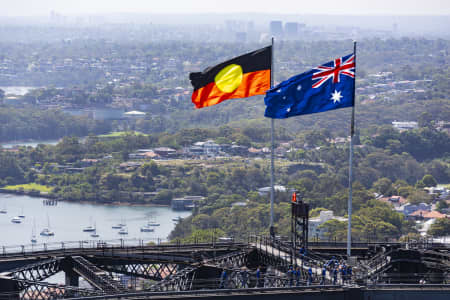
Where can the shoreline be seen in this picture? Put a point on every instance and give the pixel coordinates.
(35, 195)
(19, 143)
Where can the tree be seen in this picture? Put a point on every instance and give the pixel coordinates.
(202, 221)
(164, 197)
(441, 206)
(383, 186)
(439, 170)
(440, 228)
(405, 191)
(334, 229)
(429, 180)
(411, 236)
(203, 236)
(69, 149)
(316, 212)
(10, 169)
(419, 196)
(425, 119)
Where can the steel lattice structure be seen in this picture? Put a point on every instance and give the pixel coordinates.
(199, 266)
(37, 271)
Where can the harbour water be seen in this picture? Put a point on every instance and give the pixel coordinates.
(17, 90)
(68, 219)
(28, 143)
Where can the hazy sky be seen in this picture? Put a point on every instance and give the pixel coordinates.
(392, 7)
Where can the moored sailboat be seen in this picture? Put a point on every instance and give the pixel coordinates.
(147, 228)
(33, 233)
(16, 220)
(123, 231)
(46, 231)
(95, 234)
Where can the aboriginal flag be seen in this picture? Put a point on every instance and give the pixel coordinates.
(243, 76)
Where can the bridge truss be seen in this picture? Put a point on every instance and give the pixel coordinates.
(175, 267)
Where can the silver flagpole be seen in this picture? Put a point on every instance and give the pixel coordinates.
(350, 168)
(272, 167)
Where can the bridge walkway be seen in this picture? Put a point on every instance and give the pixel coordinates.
(96, 276)
(304, 263)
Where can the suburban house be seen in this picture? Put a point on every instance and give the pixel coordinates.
(264, 191)
(185, 203)
(396, 201)
(314, 223)
(408, 209)
(165, 152)
(208, 148)
(426, 215)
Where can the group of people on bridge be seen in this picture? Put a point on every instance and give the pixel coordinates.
(338, 272)
(243, 278)
(335, 268)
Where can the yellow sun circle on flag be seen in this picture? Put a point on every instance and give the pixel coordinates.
(229, 78)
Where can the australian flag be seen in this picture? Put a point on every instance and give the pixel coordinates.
(329, 86)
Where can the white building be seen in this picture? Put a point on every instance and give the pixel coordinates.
(441, 191)
(402, 126)
(210, 148)
(134, 114)
(264, 191)
(314, 223)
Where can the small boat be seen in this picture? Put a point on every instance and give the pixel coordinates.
(177, 219)
(47, 232)
(33, 233)
(3, 211)
(95, 234)
(21, 214)
(123, 230)
(119, 225)
(89, 229)
(147, 228)
(152, 223)
(16, 220)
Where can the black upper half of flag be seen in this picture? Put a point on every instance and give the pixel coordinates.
(258, 60)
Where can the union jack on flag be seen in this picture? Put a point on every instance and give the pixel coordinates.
(334, 69)
(329, 86)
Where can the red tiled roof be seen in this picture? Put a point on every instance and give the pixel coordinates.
(434, 215)
(254, 150)
(151, 154)
(401, 200)
(419, 213)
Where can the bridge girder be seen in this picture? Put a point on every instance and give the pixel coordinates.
(37, 271)
(97, 277)
(147, 271)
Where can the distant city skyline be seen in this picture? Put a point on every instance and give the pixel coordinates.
(343, 7)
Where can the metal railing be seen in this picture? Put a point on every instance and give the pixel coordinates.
(95, 275)
(49, 291)
(176, 294)
(87, 245)
(413, 279)
(214, 240)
